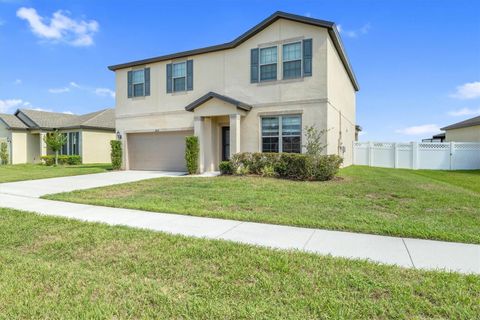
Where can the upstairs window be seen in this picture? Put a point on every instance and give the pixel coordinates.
(268, 64)
(179, 76)
(139, 83)
(292, 60)
(282, 134)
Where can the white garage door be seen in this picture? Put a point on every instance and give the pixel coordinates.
(157, 151)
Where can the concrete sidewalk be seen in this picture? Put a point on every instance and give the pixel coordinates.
(404, 252)
(40, 187)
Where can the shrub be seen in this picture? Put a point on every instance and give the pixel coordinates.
(116, 154)
(192, 151)
(287, 165)
(62, 160)
(314, 145)
(268, 171)
(3, 153)
(225, 167)
(55, 141)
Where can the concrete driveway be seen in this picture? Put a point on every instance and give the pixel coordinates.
(40, 187)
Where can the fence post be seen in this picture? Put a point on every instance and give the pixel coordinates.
(414, 155)
(370, 153)
(452, 150)
(395, 155)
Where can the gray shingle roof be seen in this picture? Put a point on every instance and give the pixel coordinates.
(463, 124)
(12, 122)
(103, 119)
(211, 95)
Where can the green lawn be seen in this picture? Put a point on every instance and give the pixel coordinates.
(18, 172)
(421, 204)
(53, 268)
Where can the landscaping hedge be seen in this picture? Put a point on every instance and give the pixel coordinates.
(116, 154)
(192, 153)
(286, 165)
(62, 160)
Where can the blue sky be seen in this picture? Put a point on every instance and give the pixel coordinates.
(417, 62)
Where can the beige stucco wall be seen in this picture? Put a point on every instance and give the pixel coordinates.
(341, 107)
(469, 134)
(95, 146)
(321, 98)
(33, 148)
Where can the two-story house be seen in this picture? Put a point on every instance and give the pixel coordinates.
(256, 93)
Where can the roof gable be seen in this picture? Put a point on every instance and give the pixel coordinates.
(463, 124)
(12, 122)
(211, 95)
(330, 26)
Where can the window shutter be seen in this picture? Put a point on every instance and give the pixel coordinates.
(130, 85)
(169, 78)
(189, 74)
(307, 57)
(147, 81)
(254, 65)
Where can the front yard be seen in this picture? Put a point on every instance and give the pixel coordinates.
(57, 268)
(420, 204)
(19, 172)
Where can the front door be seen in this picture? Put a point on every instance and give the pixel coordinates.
(225, 143)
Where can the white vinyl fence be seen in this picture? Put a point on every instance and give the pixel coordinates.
(418, 155)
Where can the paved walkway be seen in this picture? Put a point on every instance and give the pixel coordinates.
(405, 252)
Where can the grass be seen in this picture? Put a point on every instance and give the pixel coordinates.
(19, 172)
(420, 204)
(53, 268)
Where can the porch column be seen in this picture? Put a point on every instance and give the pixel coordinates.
(198, 131)
(234, 134)
(43, 145)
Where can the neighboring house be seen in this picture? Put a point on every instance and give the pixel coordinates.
(87, 135)
(436, 138)
(464, 131)
(256, 93)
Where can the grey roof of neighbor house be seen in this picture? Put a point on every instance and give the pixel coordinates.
(12, 121)
(463, 124)
(34, 119)
(331, 27)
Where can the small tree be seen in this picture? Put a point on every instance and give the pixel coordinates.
(116, 154)
(192, 151)
(55, 141)
(3, 153)
(314, 145)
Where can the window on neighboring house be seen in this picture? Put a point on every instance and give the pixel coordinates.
(138, 82)
(179, 76)
(72, 145)
(282, 134)
(292, 60)
(268, 64)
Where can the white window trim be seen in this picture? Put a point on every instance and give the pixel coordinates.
(280, 130)
(301, 59)
(266, 64)
(173, 77)
(134, 83)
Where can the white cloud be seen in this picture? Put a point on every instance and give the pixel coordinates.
(17, 81)
(11, 104)
(59, 90)
(74, 84)
(60, 28)
(464, 112)
(470, 90)
(104, 92)
(355, 33)
(67, 112)
(418, 130)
